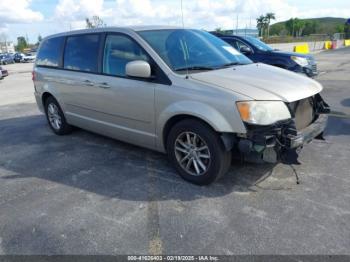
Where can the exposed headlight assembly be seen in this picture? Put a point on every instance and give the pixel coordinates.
(263, 112)
(302, 61)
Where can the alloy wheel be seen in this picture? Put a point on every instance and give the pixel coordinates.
(192, 153)
(54, 117)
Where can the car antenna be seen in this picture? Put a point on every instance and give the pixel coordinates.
(184, 44)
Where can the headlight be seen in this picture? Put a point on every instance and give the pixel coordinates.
(263, 112)
(302, 61)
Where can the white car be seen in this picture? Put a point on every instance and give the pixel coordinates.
(29, 58)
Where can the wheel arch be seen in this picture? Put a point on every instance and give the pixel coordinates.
(176, 119)
(50, 93)
(45, 96)
(187, 110)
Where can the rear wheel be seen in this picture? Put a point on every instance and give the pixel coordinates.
(197, 152)
(55, 117)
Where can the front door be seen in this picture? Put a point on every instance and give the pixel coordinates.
(103, 99)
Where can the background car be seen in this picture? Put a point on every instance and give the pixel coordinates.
(6, 59)
(18, 57)
(29, 57)
(3, 71)
(258, 51)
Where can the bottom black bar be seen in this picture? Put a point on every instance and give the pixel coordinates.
(234, 258)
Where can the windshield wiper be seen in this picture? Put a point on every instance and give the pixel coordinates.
(194, 68)
(230, 64)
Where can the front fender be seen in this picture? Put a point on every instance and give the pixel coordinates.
(199, 110)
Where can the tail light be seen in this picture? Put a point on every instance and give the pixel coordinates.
(33, 75)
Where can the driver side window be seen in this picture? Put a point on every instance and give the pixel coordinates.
(118, 51)
(239, 45)
(236, 44)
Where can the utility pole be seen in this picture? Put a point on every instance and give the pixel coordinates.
(233, 24)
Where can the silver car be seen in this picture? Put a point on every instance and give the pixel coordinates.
(180, 91)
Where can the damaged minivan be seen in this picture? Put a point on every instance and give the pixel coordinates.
(180, 91)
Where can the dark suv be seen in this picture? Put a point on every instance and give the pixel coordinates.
(6, 59)
(258, 51)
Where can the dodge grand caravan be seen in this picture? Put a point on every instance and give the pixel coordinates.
(180, 91)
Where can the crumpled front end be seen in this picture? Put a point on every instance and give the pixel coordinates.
(282, 140)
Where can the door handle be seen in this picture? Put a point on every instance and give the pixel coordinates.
(104, 85)
(88, 83)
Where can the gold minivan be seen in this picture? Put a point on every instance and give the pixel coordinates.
(180, 91)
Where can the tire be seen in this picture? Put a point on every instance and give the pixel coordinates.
(207, 153)
(56, 118)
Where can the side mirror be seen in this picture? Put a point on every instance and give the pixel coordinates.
(138, 68)
(245, 50)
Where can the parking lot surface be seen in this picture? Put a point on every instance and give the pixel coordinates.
(88, 194)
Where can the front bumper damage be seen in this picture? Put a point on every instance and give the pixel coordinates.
(282, 141)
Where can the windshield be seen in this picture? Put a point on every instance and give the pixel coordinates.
(258, 44)
(184, 49)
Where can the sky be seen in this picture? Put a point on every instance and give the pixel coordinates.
(30, 18)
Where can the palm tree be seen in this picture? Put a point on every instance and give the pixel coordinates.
(269, 17)
(260, 24)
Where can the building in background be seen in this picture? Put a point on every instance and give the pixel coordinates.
(7, 47)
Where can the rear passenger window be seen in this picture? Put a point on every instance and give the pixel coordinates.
(50, 52)
(119, 50)
(81, 53)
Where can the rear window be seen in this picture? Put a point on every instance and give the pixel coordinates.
(81, 53)
(50, 52)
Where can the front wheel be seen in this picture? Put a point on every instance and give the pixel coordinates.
(197, 152)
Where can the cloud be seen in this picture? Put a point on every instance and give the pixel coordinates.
(80, 9)
(205, 14)
(18, 12)
(325, 12)
(198, 13)
(74, 12)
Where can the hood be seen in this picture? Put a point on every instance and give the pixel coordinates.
(283, 53)
(261, 82)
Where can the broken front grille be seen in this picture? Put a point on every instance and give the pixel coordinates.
(303, 111)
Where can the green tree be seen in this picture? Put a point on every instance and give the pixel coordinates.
(277, 29)
(299, 26)
(268, 18)
(219, 30)
(261, 24)
(94, 22)
(39, 40)
(21, 43)
(340, 28)
(295, 26)
(311, 27)
(290, 26)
